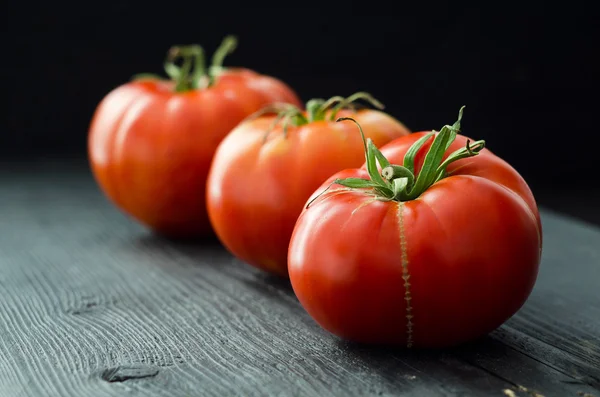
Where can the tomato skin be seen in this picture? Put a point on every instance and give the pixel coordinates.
(150, 147)
(256, 189)
(437, 271)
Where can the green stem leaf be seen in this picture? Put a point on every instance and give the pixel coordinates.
(228, 45)
(353, 98)
(372, 164)
(332, 101)
(456, 125)
(193, 69)
(409, 157)
(465, 152)
(199, 68)
(293, 116)
(383, 162)
(285, 114)
(432, 160)
(181, 84)
(356, 183)
(370, 158)
(352, 183)
(171, 69)
(314, 110)
(400, 187)
(433, 168)
(455, 128)
(298, 119)
(274, 108)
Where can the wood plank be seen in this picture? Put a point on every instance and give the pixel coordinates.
(92, 305)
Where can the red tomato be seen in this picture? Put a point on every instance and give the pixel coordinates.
(151, 141)
(259, 180)
(450, 260)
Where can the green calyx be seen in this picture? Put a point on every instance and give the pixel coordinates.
(316, 110)
(399, 182)
(193, 74)
(327, 110)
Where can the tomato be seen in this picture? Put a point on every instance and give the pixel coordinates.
(151, 141)
(439, 248)
(266, 168)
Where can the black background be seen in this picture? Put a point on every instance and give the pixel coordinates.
(526, 72)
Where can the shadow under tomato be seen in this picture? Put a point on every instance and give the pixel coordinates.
(465, 366)
(201, 252)
(209, 252)
(484, 344)
(154, 241)
(467, 360)
(182, 241)
(267, 284)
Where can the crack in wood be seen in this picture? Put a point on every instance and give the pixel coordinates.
(124, 373)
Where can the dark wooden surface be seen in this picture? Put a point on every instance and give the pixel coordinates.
(93, 305)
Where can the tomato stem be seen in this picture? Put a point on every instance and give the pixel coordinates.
(316, 110)
(399, 182)
(193, 69)
(228, 45)
(345, 102)
(193, 73)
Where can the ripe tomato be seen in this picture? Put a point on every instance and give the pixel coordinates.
(151, 141)
(427, 261)
(264, 171)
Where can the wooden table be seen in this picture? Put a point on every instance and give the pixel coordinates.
(93, 305)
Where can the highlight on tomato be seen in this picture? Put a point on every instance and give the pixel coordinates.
(151, 140)
(435, 241)
(268, 166)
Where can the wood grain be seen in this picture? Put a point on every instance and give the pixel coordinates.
(93, 305)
